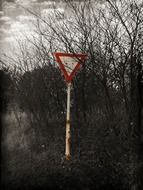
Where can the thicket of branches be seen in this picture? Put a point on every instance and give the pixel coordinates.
(106, 95)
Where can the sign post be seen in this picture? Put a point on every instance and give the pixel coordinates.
(68, 136)
(69, 63)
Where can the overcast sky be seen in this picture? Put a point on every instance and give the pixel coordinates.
(14, 20)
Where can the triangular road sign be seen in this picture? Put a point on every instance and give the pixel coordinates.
(69, 63)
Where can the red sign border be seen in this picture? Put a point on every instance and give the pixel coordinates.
(80, 56)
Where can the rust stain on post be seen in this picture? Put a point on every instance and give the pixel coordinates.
(68, 157)
(68, 122)
(68, 141)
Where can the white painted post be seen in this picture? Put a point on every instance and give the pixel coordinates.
(67, 148)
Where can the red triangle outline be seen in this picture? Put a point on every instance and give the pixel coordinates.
(82, 57)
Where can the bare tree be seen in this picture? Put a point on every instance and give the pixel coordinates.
(108, 86)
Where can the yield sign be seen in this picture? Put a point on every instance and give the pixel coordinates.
(69, 63)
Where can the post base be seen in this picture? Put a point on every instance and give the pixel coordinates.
(68, 157)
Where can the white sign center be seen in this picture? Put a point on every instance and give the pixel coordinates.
(69, 63)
